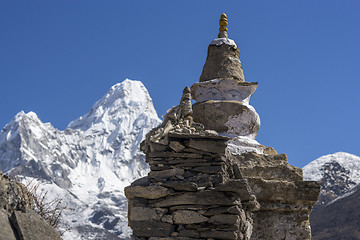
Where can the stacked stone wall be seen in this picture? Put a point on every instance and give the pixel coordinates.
(192, 191)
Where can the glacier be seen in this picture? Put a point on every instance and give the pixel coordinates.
(89, 163)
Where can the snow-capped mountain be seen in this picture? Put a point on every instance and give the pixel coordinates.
(336, 214)
(338, 173)
(89, 163)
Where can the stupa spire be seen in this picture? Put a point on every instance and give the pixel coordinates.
(223, 58)
(223, 29)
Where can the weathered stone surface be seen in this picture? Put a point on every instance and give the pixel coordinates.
(270, 151)
(223, 90)
(220, 210)
(145, 213)
(148, 192)
(222, 62)
(181, 186)
(228, 219)
(174, 154)
(190, 164)
(165, 174)
(189, 207)
(201, 198)
(30, 226)
(286, 225)
(220, 235)
(6, 231)
(151, 228)
(240, 186)
(251, 159)
(210, 135)
(14, 195)
(138, 202)
(176, 146)
(292, 192)
(157, 147)
(167, 219)
(227, 116)
(207, 145)
(18, 220)
(281, 172)
(209, 169)
(171, 238)
(188, 217)
(189, 233)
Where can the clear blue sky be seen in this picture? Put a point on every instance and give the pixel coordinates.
(57, 58)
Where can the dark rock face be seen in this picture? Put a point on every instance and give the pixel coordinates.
(222, 62)
(335, 182)
(18, 220)
(337, 220)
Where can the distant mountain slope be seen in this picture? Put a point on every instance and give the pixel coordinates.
(90, 162)
(337, 213)
(338, 220)
(337, 173)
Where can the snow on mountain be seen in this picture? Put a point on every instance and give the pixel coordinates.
(338, 173)
(89, 163)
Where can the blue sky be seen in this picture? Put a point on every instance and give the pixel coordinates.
(57, 58)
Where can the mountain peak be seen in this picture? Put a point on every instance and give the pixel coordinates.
(22, 115)
(351, 162)
(89, 163)
(128, 98)
(338, 173)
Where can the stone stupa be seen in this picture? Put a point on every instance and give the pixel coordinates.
(210, 178)
(222, 95)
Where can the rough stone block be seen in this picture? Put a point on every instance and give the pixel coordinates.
(148, 192)
(188, 217)
(151, 228)
(145, 213)
(173, 154)
(209, 169)
(171, 238)
(201, 198)
(189, 233)
(219, 235)
(6, 231)
(228, 219)
(30, 226)
(239, 186)
(167, 219)
(181, 186)
(165, 174)
(176, 146)
(292, 192)
(207, 145)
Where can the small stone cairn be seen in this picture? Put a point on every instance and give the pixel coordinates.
(209, 178)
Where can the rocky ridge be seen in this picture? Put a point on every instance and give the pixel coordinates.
(18, 220)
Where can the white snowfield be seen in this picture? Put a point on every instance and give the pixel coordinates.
(90, 162)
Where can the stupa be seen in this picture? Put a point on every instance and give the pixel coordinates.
(222, 95)
(210, 178)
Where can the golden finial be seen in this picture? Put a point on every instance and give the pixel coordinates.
(223, 23)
